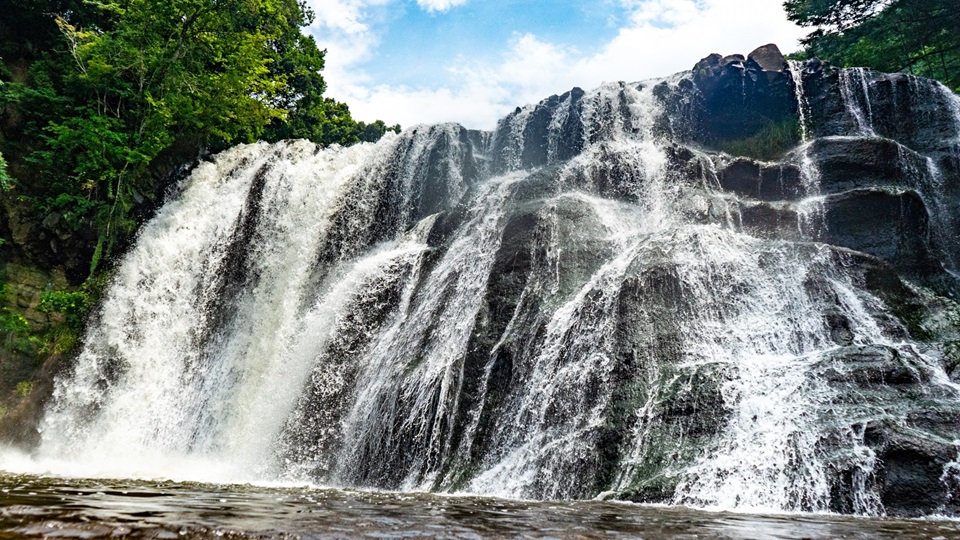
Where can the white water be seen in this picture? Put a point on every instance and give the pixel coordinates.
(293, 316)
(796, 75)
(855, 90)
(152, 395)
(388, 377)
(176, 400)
(547, 428)
(772, 438)
(946, 218)
(551, 417)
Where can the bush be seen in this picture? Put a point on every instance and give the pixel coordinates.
(72, 305)
(770, 143)
(23, 388)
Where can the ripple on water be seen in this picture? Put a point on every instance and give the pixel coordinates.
(78, 508)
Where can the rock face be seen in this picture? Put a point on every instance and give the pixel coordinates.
(735, 287)
(739, 98)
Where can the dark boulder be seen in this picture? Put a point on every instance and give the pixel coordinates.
(770, 219)
(844, 163)
(552, 131)
(768, 57)
(916, 473)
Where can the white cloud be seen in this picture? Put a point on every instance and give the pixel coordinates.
(344, 29)
(480, 95)
(439, 5)
(342, 16)
(666, 36)
(663, 13)
(482, 92)
(660, 37)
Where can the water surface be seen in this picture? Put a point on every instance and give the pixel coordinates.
(83, 508)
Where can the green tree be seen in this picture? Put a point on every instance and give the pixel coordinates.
(916, 36)
(96, 94)
(167, 69)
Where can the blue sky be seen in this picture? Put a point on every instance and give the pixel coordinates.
(472, 61)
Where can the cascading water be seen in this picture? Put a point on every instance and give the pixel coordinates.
(580, 304)
(855, 89)
(796, 76)
(935, 187)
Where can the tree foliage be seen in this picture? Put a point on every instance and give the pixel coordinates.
(915, 36)
(97, 95)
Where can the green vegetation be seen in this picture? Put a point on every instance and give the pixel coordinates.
(5, 181)
(100, 103)
(769, 143)
(23, 388)
(72, 305)
(64, 313)
(16, 332)
(99, 100)
(914, 36)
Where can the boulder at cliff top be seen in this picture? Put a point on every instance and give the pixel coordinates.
(768, 57)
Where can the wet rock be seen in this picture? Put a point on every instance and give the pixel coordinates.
(602, 319)
(431, 170)
(909, 109)
(844, 163)
(770, 220)
(523, 139)
(912, 478)
(888, 224)
(876, 366)
(726, 86)
(27, 284)
(840, 327)
(760, 180)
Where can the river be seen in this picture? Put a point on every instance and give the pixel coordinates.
(35, 506)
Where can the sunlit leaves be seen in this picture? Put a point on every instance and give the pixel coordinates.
(6, 182)
(110, 93)
(916, 36)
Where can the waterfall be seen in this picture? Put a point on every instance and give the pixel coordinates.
(417, 390)
(855, 90)
(796, 75)
(942, 193)
(570, 306)
(213, 322)
(774, 434)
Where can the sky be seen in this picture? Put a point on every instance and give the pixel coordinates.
(473, 61)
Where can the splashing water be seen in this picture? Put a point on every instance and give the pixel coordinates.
(540, 312)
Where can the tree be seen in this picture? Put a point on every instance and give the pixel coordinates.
(98, 93)
(166, 69)
(835, 14)
(916, 36)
